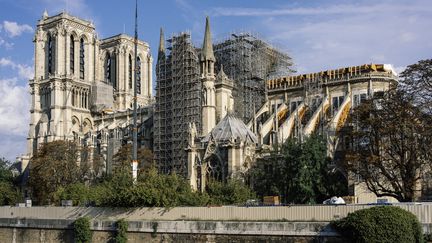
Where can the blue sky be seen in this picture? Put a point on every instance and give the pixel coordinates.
(319, 35)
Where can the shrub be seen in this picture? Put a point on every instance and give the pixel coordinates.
(82, 232)
(380, 224)
(121, 235)
(9, 195)
(428, 237)
(79, 193)
(230, 193)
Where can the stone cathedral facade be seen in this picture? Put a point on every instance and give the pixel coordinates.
(83, 86)
(224, 147)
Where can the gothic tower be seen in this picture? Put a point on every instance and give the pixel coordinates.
(78, 78)
(208, 101)
(224, 97)
(64, 63)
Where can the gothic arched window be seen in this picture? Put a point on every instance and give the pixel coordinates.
(108, 69)
(138, 77)
(72, 54)
(130, 72)
(50, 50)
(82, 58)
(113, 70)
(73, 97)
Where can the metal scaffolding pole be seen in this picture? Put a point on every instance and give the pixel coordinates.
(135, 145)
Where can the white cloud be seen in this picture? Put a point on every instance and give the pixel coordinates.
(75, 7)
(12, 146)
(407, 37)
(322, 42)
(192, 15)
(398, 70)
(6, 44)
(14, 108)
(321, 10)
(14, 29)
(6, 62)
(24, 71)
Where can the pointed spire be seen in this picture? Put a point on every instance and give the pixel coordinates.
(45, 14)
(161, 41)
(221, 75)
(207, 49)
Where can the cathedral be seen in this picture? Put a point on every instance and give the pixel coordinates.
(220, 151)
(82, 88)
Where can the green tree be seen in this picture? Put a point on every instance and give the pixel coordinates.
(123, 158)
(151, 190)
(82, 231)
(5, 172)
(391, 151)
(380, 225)
(229, 193)
(298, 172)
(55, 165)
(121, 233)
(9, 193)
(78, 192)
(416, 82)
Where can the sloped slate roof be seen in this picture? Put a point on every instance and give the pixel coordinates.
(229, 129)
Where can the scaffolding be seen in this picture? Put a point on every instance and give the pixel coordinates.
(246, 59)
(249, 60)
(177, 102)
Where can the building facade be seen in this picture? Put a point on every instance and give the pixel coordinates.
(224, 146)
(320, 103)
(83, 86)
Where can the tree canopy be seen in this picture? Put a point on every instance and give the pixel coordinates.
(57, 173)
(416, 81)
(391, 145)
(55, 165)
(122, 159)
(299, 172)
(9, 193)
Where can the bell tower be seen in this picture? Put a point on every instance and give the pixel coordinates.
(60, 89)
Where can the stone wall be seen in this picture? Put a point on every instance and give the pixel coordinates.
(186, 224)
(27, 235)
(36, 230)
(294, 213)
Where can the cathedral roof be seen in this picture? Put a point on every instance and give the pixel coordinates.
(231, 128)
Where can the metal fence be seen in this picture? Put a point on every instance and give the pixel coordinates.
(297, 213)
